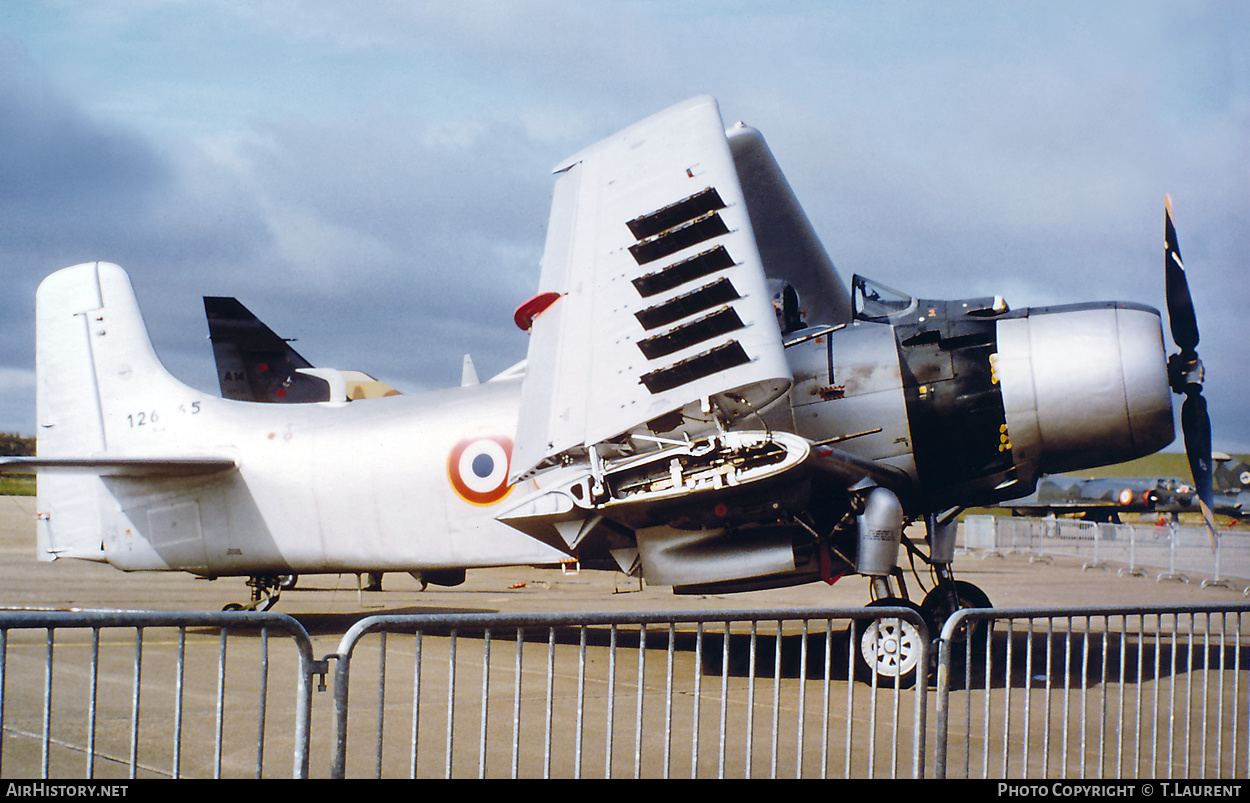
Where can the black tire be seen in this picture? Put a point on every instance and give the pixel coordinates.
(937, 608)
(287, 581)
(892, 644)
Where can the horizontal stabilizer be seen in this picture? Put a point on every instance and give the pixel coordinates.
(119, 466)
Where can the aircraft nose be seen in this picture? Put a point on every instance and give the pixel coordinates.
(1084, 386)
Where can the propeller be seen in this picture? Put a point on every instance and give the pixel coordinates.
(1185, 372)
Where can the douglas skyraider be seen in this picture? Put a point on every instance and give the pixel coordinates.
(704, 404)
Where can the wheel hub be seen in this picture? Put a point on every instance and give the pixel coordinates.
(890, 645)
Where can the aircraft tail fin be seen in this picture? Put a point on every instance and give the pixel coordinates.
(253, 362)
(103, 400)
(100, 386)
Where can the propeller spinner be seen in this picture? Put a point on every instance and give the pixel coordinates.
(1185, 372)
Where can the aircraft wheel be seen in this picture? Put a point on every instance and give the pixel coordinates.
(937, 608)
(233, 606)
(891, 645)
(287, 581)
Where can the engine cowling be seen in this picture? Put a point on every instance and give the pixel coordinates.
(1084, 386)
(976, 401)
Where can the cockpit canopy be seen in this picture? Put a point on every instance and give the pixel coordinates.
(875, 302)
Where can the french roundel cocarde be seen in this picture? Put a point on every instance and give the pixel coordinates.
(478, 468)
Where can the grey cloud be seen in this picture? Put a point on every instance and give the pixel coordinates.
(1013, 151)
(62, 175)
(74, 189)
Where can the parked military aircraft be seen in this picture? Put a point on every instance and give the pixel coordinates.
(254, 364)
(1107, 498)
(1230, 476)
(670, 419)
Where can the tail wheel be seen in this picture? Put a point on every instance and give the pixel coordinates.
(890, 646)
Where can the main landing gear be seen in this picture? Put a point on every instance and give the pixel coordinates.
(266, 589)
(889, 649)
(891, 646)
(949, 596)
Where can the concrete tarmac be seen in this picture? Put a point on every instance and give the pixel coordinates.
(327, 605)
(1010, 581)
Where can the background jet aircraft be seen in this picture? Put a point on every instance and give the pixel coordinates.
(254, 364)
(664, 420)
(1107, 498)
(1230, 479)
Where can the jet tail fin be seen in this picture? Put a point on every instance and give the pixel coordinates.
(253, 363)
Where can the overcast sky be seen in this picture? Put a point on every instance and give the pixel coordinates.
(374, 178)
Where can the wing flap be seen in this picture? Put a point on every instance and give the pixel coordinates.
(663, 302)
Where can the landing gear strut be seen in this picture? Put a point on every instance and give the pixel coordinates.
(266, 589)
(890, 646)
(948, 594)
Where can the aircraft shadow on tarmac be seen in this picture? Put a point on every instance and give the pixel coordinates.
(1077, 659)
(1072, 659)
(337, 624)
(628, 637)
(1086, 660)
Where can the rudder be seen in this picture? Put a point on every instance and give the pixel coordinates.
(96, 368)
(95, 372)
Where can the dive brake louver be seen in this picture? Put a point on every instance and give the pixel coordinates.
(667, 231)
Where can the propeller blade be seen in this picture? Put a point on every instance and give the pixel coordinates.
(1196, 427)
(1185, 370)
(1181, 317)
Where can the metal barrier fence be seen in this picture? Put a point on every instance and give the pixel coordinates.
(706, 694)
(1168, 551)
(1104, 692)
(137, 694)
(1114, 692)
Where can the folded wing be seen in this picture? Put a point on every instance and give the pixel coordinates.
(663, 308)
